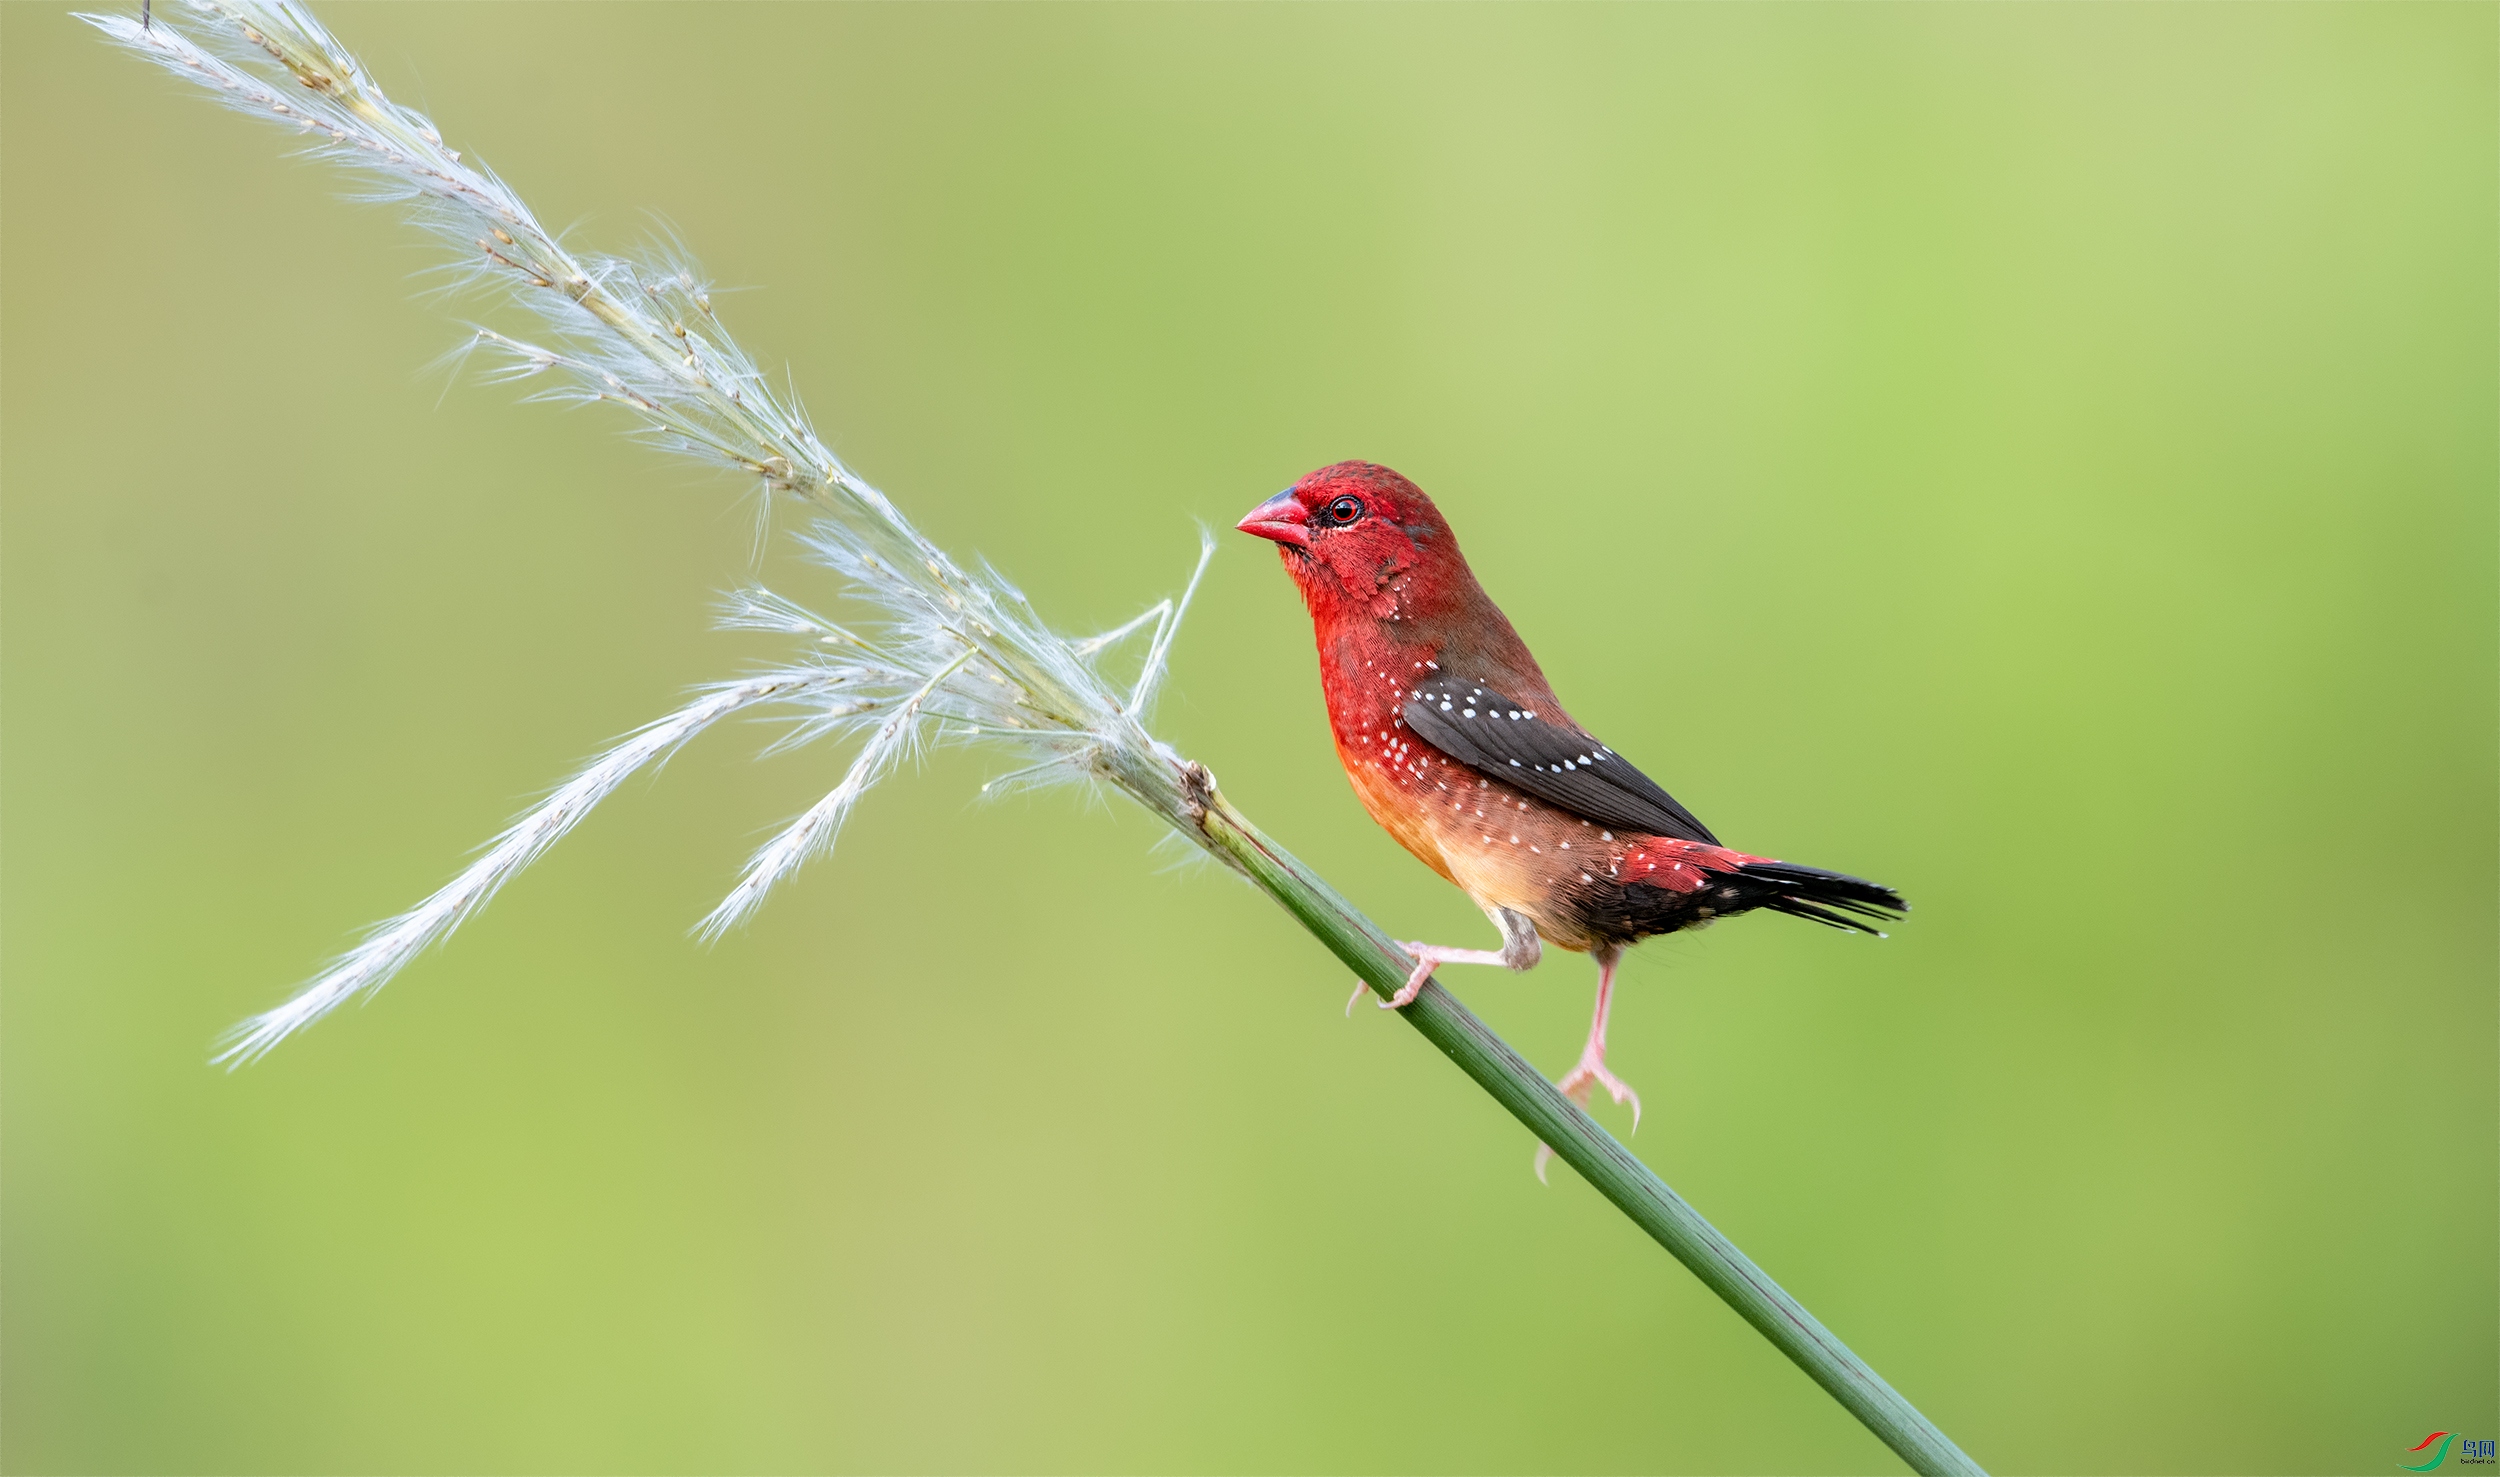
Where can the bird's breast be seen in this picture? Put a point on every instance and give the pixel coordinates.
(1494, 843)
(1500, 847)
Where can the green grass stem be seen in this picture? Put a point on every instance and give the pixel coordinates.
(1579, 1142)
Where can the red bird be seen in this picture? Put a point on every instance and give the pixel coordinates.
(1459, 748)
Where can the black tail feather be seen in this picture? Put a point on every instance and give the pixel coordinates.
(1833, 899)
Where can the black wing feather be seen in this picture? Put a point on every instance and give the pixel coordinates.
(1492, 735)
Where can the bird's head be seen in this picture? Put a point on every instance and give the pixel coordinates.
(1359, 539)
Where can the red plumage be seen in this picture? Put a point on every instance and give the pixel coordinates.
(1458, 747)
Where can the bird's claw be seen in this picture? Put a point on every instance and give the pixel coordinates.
(1591, 1072)
(1415, 982)
(1406, 993)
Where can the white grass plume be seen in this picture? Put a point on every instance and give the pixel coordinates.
(949, 654)
(394, 942)
(815, 829)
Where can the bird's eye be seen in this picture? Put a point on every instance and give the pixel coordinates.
(1343, 511)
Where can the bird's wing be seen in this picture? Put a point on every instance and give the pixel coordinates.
(1561, 766)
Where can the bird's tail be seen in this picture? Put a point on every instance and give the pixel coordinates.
(1834, 899)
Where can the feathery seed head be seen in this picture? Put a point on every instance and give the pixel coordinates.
(949, 654)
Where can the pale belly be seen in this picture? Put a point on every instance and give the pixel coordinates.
(1496, 845)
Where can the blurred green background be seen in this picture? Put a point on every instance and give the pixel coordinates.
(2040, 456)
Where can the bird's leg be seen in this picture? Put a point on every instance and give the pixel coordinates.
(1520, 949)
(1428, 956)
(1590, 1071)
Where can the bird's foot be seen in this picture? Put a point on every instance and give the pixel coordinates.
(1406, 993)
(1415, 980)
(1587, 1074)
(1428, 957)
(1591, 1073)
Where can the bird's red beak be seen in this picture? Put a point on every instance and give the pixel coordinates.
(1279, 518)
